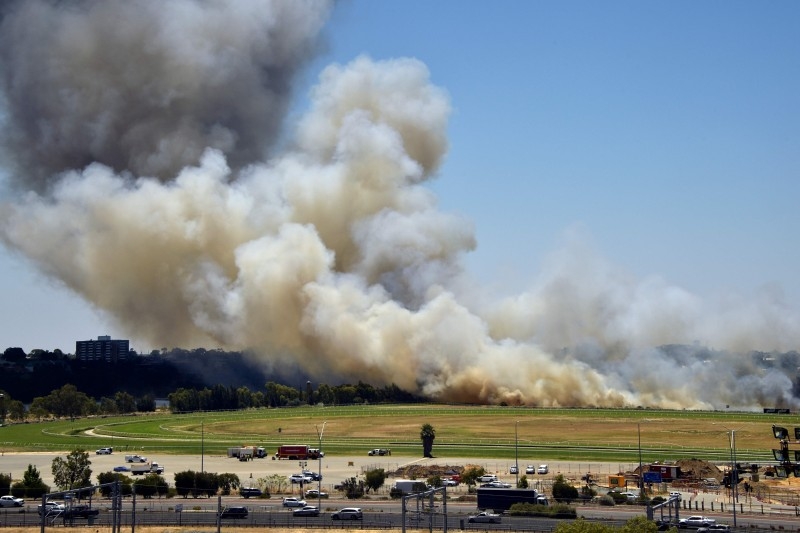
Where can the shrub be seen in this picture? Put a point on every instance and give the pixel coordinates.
(606, 500)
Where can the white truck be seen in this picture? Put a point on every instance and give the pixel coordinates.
(146, 468)
(246, 453)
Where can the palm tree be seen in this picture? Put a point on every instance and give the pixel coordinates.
(427, 434)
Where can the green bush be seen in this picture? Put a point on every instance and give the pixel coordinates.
(607, 501)
(558, 510)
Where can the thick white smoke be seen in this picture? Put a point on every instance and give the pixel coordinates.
(331, 256)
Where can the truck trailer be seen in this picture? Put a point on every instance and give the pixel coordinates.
(297, 452)
(500, 500)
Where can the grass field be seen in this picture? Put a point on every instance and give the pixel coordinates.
(476, 431)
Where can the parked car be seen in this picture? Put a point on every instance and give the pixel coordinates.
(496, 485)
(313, 475)
(530, 469)
(248, 492)
(543, 469)
(234, 512)
(514, 469)
(80, 511)
(308, 510)
(313, 494)
(293, 502)
(487, 478)
(675, 494)
(348, 513)
(696, 521)
(485, 517)
(714, 527)
(300, 478)
(10, 501)
(104, 451)
(122, 468)
(450, 482)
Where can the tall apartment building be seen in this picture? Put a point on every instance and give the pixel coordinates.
(103, 349)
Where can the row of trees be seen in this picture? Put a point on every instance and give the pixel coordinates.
(69, 402)
(220, 397)
(159, 374)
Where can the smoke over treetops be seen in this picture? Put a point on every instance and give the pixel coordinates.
(161, 184)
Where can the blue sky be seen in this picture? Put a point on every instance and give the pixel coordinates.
(665, 134)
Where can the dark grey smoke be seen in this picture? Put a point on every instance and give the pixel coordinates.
(146, 86)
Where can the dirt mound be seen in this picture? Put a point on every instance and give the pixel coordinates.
(698, 469)
(426, 471)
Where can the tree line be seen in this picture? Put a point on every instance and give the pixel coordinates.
(69, 402)
(192, 380)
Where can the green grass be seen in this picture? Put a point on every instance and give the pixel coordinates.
(461, 431)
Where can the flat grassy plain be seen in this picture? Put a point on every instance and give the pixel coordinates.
(461, 431)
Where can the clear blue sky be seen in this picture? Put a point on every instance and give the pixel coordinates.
(667, 134)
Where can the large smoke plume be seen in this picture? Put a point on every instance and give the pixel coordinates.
(164, 188)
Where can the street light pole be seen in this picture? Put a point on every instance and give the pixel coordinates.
(734, 476)
(516, 454)
(319, 456)
(641, 474)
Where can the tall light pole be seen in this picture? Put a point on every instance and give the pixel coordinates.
(641, 474)
(320, 431)
(516, 454)
(733, 477)
(202, 446)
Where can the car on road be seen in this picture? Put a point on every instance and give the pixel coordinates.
(348, 513)
(543, 469)
(485, 517)
(10, 501)
(380, 451)
(293, 502)
(104, 451)
(675, 494)
(300, 478)
(714, 527)
(530, 469)
(80, 511)
(122, 468)
(51, 508)
(234, 512)
(514, 469)
(314, 494)
(250, 492)
(496, 485)
(308, 510)
(695, 522)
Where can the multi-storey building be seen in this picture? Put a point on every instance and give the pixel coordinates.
(103, 349)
